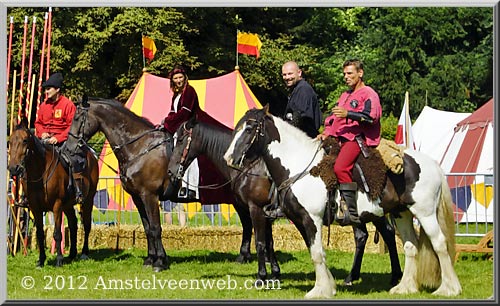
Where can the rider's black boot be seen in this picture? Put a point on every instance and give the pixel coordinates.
(348, 212)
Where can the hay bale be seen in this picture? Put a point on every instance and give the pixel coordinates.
(216, 238)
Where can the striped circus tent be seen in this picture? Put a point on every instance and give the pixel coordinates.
(468, 160)
(225, 98)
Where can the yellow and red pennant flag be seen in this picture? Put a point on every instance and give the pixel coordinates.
(249, 43)
(148, 48)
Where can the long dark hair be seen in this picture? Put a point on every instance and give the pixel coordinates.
(177, 69)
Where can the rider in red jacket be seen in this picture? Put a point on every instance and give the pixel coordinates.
(52, 125)
(55, 114)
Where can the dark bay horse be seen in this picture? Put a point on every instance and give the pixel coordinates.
(45, 182)
(251, 185)
(141, 151)
(421, 191)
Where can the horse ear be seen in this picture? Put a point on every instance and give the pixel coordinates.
(24, 122)
(266, 109)
(191, 122)
(85, 100)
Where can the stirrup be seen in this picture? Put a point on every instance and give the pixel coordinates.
(273, 211)
(185, 193)
(343, 217)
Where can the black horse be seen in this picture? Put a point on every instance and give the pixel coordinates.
(251, 185)
(143, 153)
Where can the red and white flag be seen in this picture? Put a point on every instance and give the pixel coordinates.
(404, 134)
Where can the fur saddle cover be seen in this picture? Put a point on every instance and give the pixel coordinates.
(374, 169)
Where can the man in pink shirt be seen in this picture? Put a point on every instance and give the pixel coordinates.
(355, 122)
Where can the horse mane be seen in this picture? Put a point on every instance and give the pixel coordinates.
(296, 133)
(120, 107)
(39, 146)
(213, 138)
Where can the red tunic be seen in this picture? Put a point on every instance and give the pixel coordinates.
(188, 106)
(357, 102)
(55, 118)
(364, 100)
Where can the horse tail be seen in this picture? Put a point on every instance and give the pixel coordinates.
(429, 270)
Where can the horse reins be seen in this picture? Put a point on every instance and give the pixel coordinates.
(185, 151)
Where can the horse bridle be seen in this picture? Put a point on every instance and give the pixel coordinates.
(259, 131)
(29, 151)
(180, 171)
(81, 129)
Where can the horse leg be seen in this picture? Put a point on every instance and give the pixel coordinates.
(40, 238)
(271, 256)
(389, 236)
(360, 238)
(86, 215)
(57, 232)
(246, 222)
(408, 283)
(450, 285)
(73, 230)
(152, 208)
(148, 261)
(310, 227)
(258, 220)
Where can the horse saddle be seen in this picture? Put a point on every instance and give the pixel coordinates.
(370, 173)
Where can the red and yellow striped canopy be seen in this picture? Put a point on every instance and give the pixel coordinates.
(225, 98)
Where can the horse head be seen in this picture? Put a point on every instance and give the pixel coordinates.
(253, 132)
(21, 145)
(182, 155)
(82, 127)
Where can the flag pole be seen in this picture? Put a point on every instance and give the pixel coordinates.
(49, 34)
(237, 32)
(407, 118)
(23, 59)
(9, 54)
(29, 94)
(42, 58)
(143, 56)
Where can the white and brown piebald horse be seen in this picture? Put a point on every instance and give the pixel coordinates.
(421, 191)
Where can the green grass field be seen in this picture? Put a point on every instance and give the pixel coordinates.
(209, 275)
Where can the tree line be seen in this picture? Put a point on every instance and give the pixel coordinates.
(443, 56)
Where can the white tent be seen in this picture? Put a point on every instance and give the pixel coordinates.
(433, 130)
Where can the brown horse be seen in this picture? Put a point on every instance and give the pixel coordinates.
(143, 153)
(45, 182)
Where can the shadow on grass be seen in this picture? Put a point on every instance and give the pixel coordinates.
(95, 255)
(368, 283)
(216, 257)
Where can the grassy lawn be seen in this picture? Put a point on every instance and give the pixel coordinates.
(111, 275)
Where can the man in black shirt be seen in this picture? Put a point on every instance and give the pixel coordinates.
(302, 109)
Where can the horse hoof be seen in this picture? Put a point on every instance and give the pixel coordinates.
(158, 269)
(243, 259)
(148, 262)
(84, 257)
(348, 284)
